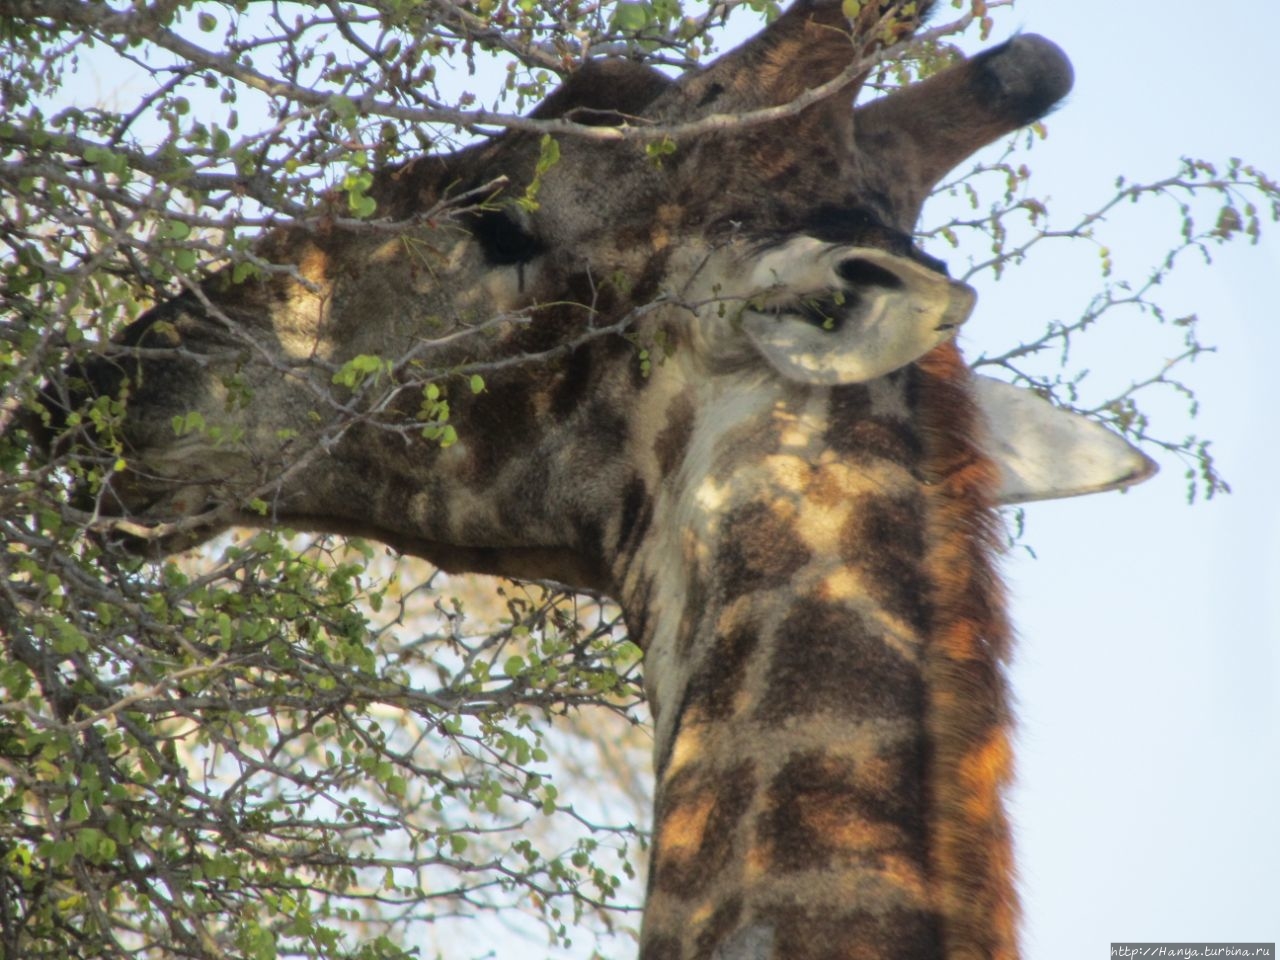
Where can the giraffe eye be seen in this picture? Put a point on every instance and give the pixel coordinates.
(504, 241)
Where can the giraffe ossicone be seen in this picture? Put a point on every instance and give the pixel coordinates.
(791, 494)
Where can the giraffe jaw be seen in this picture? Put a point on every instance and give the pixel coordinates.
(143, 518)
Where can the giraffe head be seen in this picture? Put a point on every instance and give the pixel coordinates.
(782, 248)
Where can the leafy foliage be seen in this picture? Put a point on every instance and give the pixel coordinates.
(290, 746)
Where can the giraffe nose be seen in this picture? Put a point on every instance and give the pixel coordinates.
(103, 373)
(863, 273)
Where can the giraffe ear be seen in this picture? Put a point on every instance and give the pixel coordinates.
(1046, 453)
(850, 314)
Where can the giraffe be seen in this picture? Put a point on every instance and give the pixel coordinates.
(792, 500)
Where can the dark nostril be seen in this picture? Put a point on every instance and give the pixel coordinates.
(864, 273)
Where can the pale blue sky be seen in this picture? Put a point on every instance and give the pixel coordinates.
(1149, 661)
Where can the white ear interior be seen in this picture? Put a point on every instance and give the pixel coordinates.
(1045, 452)
(878, 327)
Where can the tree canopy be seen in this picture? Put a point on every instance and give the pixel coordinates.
(299, 745)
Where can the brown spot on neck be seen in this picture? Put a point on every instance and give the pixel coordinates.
(673, 439)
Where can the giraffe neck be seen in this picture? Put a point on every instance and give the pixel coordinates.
(815, 796)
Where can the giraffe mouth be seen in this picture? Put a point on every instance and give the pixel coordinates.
(826, 313)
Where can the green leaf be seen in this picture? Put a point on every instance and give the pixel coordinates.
(174, 230)
(631, 17)
(185, 423)
(342, 106)
(359, 368)
(362, 206)
(657, 149)
(548, 157)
